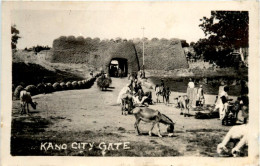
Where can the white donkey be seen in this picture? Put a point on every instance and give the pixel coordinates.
(25, 100)
(236, 132)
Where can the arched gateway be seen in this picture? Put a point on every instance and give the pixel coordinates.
(159, 55)
(122, 59)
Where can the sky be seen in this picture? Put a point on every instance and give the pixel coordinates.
(161, 20)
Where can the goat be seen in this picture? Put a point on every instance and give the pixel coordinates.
(236, 132)
(25, 100)
(153, 116)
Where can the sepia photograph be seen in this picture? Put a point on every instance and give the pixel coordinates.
(131, 79)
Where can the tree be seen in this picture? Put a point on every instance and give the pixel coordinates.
(15, 36)
(184, 43)
(118, 40)
(227, 28)
(154, 39)
(192, 44)
(225, 31)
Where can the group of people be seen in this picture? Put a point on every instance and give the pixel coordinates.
(164, 91)
(222, 102)
(196, 98)
(195, 95)
(134, 88)
(116, 71)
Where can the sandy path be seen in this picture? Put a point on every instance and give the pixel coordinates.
(97, 111)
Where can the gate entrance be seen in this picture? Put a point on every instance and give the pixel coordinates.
(118, 67)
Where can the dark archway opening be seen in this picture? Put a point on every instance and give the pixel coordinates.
(118, 67)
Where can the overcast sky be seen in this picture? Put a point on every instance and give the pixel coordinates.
(161, 20)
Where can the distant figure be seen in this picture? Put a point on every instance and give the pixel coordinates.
(162, 90)
(123, 91)
(129, 76)
(201, 97)
(138, 87)
(120, 73)
(157, 93)
(162, 83)
(141, 74)
(220, 90)
(167, 95)
(221, 87)
(222, 104)
(191, 92)
(131, 87)
(191, 83)
(106, 75)
(139, 98)
(116, 72)
(134, 85)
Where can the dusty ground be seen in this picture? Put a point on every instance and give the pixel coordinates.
(89, 115)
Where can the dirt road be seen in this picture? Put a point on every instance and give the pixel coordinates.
(92, 116)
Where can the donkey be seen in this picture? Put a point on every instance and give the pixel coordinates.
(127, 103)
(25, 100)
(152, 116)
(183, 103)
(235, 133)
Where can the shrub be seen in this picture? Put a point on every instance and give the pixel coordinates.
(87, 84)
(84, 83)
(69, 85)
(48, 88)
(90, 82)
(80, 84)
(32, 89)
(41, 88)
(56, 86)
(75, 85)
(63, 86)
